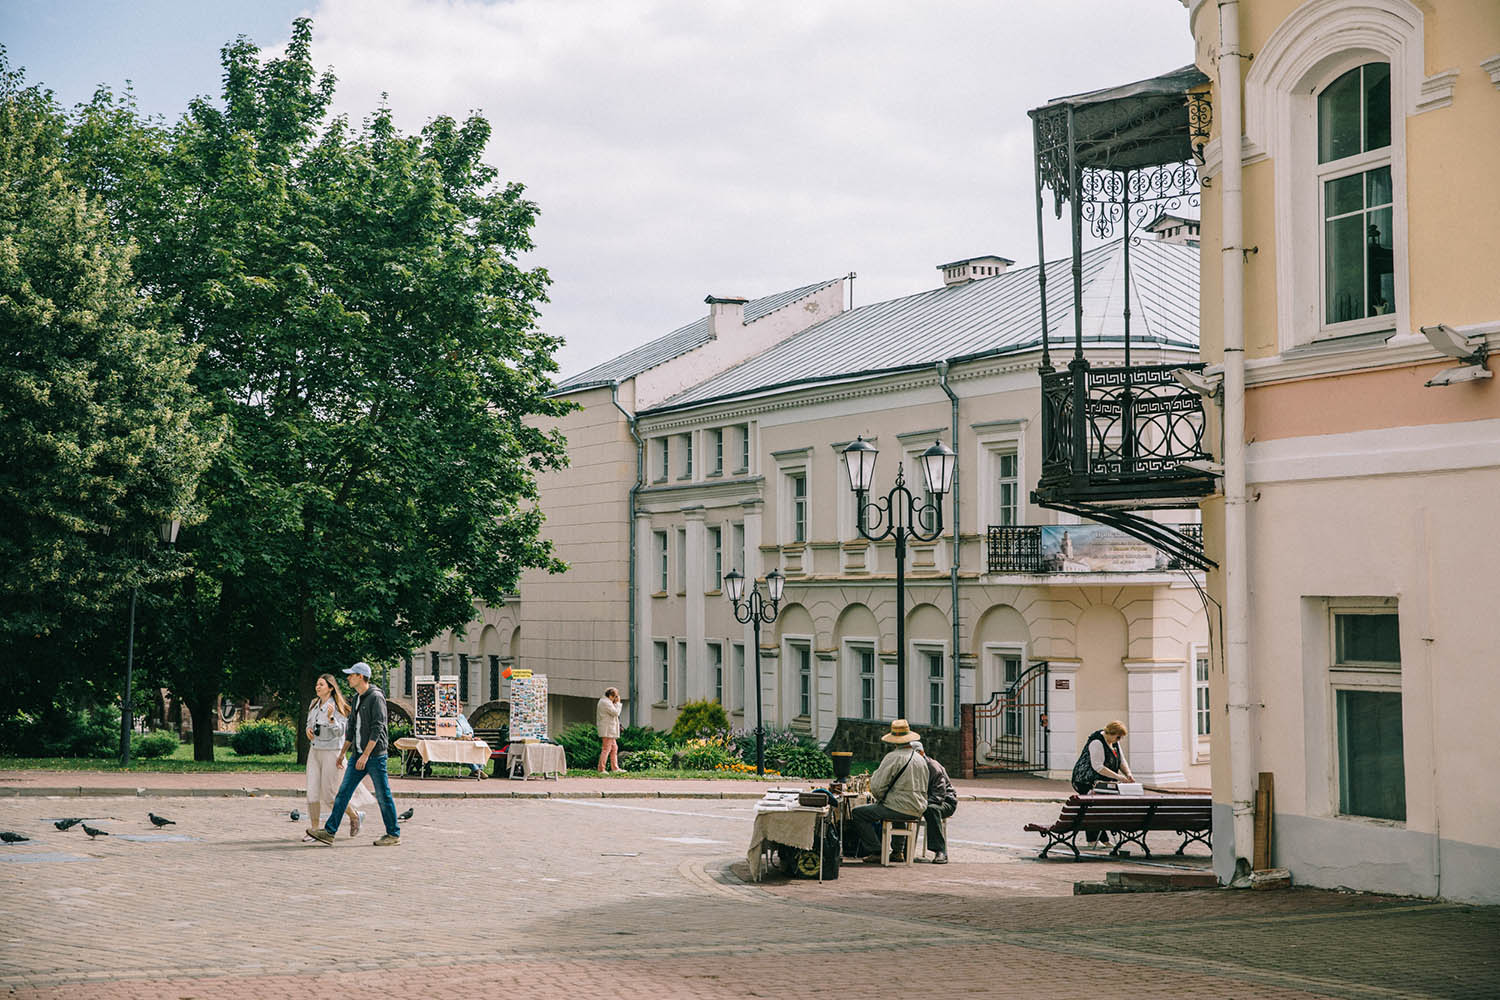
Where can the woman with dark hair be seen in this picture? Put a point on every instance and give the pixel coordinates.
(1101, 760)
(327, 717)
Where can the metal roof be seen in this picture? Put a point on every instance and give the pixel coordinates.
(677, 343)
(998, 315)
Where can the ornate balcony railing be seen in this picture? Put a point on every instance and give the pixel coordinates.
(1085, 548)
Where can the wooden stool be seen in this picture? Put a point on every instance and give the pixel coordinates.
(905, 829)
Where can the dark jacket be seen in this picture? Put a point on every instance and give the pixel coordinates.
(1084, 775)
(367, 722)
(940, 790)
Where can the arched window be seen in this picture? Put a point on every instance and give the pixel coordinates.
(1356, 195)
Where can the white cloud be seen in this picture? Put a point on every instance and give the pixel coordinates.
(679, 148)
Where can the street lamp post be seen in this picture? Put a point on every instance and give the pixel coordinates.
(752, 609)
(168, 532)
(904, 517)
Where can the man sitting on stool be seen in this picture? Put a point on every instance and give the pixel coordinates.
(942, 800)
(899, 788)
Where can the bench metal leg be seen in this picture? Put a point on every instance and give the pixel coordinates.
(1063, 840)
(1204, 837)
(1128, 837)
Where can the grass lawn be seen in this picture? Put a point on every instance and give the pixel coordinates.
(181, 759)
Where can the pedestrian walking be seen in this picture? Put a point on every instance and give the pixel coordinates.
(327, 719)
(607, 721)
(367, 735)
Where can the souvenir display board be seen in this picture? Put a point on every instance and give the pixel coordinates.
(528, 706)
(436, 699)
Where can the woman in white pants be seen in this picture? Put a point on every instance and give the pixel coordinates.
(327, 718)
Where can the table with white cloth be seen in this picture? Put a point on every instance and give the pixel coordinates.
(797, 826)
(535, 760)
(474, 753)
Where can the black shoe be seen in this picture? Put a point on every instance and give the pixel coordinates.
(941, 858)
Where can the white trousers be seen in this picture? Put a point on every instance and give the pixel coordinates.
(323, 778)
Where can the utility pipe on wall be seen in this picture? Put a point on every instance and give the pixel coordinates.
(1236, 581)
(640, 471)
(942, 371)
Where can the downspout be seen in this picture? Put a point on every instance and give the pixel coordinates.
(942, 372)
(640, 463)
(1236, 581)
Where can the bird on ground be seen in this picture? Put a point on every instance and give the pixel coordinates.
(161, 820)
(408, 814)
(12, 838)
(67, 824)
(94, 833)
(296, 815)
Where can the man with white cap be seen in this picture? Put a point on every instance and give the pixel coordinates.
(898, 786)
(366, 731)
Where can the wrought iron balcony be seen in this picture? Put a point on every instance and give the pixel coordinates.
(1121, 437)
(1086, 548)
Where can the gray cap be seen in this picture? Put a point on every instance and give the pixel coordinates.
(916, 744)
(361, 668)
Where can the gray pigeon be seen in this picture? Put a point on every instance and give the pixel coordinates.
(94, 833)
(161, 820)
(12, 838)
(67, 824)
(296, 815)
(408, 814)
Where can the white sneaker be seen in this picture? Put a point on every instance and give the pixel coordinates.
(354, 824)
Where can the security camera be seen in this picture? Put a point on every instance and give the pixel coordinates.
(1462, 373)
(1445, 339)
(1200, 382)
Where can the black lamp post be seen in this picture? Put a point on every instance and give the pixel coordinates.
(904, 517)
(168, 532)
(754, 610)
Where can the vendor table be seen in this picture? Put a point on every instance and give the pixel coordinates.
(800, 827)
(433, 751)
(543, 760)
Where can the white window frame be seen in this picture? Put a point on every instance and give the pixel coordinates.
(682, 561)
(659, 542)
(664, 459)
(854, 695)
(715, 651)
(737, 677)
(715, 566)
(924, 651)
(1381, 677)
(662, 650)
(993, 440)
(687, 455)
(790, 680)
(1202, 701)
(790, 465)
(745, 449)
(680, 694)
(806, 677)
(715, 447)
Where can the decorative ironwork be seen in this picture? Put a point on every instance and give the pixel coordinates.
(1200, 118)
(1051, 140)
(1011, 730)
(1108, 198)
(1015, 548)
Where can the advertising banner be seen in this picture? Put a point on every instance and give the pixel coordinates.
(1096, 548)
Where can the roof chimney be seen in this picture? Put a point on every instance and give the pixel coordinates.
(725, 315)
(961, 272)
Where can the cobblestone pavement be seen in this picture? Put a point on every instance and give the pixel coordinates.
(562, 897)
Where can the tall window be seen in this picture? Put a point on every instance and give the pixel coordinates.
(1200, 694)
(660, 540)
(1007, 489)
(687, 456)
(681, 560)
(744, 448)
(797, 496)
(494, 677)
(716, 451)
(1358, 210)
(682, 671)
(866, 682)
(737, 545)
(666, 458)
(1366, 679)
(716, 669)
(463, 678)
(663, 672)
(715, 558)
(737, 692)
(936, 686)
(803, 659)
(1010, 674)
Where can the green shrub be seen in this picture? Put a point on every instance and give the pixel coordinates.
(399, 731)
(699, 718)
(777, 741)
(63, 731)
(650, 759)
(580, 742)
(705, 753)
(800, 762)
(262, 739)
(634, 738)
(157, 744)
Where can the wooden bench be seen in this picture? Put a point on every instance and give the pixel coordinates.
(1129, 818)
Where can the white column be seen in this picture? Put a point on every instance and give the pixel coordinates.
(699, 686)
(1154, 745)
(648, 684)
(1062, 716)
(825, 693)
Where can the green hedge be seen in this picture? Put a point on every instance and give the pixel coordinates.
(699, 718)
(580, 742)
(646, 760)
(148, 745)
(63, 731)
(262, 739)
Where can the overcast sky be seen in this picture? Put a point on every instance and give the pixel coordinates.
(680, 148)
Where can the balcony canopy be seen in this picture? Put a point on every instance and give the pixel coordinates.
(1139, 124)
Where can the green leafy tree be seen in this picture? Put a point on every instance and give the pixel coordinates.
(102, 434)
(371, 338)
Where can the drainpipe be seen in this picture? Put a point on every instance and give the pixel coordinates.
(942, 372)
(640, 468)
(1236, 582)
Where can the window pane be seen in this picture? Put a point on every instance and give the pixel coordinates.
(1344, 195)
(1372, 777)
(1380, 267)
(1344, 264)
(1377, 87)
(1367, 639)
(1378, 187)
(1339, 118)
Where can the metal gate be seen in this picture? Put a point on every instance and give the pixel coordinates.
(1010, 730)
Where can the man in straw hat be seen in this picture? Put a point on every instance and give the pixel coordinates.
(898, 786)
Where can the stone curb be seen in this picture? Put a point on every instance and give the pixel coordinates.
(135, 791)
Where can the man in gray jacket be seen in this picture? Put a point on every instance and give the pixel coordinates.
(367, 733)
(899, 787)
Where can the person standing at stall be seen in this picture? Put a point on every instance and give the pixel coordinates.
(898, 786)
(1101, 760)
(367, 734)
(607, 721)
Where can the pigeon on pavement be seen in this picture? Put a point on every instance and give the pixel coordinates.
(408, 814)
(67, 824)
(296, 815)
(12, 838)
(161, 820)
(94, 833)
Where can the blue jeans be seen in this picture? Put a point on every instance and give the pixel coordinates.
(375, 768)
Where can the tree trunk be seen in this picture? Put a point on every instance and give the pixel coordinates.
(307, 669)
(205, 709)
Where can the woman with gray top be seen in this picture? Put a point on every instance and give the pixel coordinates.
(327, 718)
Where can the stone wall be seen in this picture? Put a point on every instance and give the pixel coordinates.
(862, 738)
